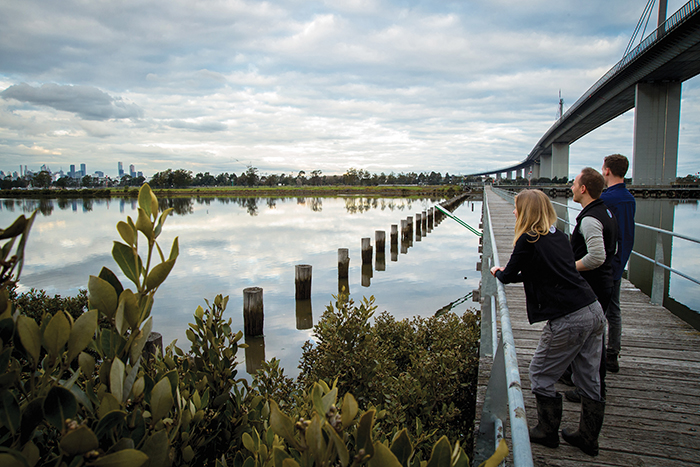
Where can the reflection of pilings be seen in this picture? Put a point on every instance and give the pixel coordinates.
(380, 262)
(394, 250)
(431, 219)
(366, 274)
(379, 240)
(409, 222)
(253, 315)
(419, 225)
(302, 281)
(343, 263)
(366, 251)
(394, 233)
(305, 319)
(404, 230)
(343, 285)
(424, 223)
(254, 354)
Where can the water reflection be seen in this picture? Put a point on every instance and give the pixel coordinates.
(224, 249)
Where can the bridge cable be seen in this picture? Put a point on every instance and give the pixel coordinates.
(646, 15)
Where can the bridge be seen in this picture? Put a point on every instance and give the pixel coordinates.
(652, 415)
(648, 79)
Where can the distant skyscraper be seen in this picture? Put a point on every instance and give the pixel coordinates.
(132, 171)
(71, 174)
(83, 170)
(120, 166)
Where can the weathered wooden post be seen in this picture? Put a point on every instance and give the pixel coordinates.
(409, 222)
(394, 243)
(404, 230)
(431, 219)
(253, 315)
(424, 223)
(379, 240)
(154, 344)
(394, 236)
(302, 281)
(343, 263)
(366, 251)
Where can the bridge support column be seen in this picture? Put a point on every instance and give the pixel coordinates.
(545, 167)
(657, 117)
(560, 160)
(535, 169)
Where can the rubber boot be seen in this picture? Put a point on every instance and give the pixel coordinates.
(549, 411)
(586, 438)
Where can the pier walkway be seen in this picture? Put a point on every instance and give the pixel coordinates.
(652, 416)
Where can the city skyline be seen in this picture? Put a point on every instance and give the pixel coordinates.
(378, 85)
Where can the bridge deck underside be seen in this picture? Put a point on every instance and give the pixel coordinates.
(652, 416)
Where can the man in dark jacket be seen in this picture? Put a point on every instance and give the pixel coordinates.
(622, 204)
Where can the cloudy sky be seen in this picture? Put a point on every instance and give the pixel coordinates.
(290, 85)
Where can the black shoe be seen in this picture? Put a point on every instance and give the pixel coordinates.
(586, 438)
(549, 411)
(611, 363)
(573, 395)
(566, 378)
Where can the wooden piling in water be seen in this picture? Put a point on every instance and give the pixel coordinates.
(302, 281)
(343, 263)
(253, 315)
(424, 223)
(394, 236)
(366, 250)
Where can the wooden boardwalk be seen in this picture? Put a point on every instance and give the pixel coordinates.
(652, 416)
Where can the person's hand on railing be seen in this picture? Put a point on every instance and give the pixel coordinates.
(496, 268)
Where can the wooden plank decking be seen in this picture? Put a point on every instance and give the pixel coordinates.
(652, 415)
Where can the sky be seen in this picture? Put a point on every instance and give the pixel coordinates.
(289, 85)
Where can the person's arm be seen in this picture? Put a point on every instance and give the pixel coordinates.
(592, 231)
(522, 252)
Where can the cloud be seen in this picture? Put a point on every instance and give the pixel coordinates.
(87, 102)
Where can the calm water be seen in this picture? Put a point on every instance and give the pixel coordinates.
(227, 245)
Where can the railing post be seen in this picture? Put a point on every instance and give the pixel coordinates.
(657, 282)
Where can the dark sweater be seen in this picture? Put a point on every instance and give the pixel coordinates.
(553, 287)
(622, 204)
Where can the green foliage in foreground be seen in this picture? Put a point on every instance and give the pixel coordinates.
(422, 372)
(81, 390)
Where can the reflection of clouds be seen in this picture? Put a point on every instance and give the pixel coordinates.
(223, 250)
(685, 255)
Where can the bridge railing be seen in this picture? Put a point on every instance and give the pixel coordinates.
(677, 18)
(657, 285)
(504, 396)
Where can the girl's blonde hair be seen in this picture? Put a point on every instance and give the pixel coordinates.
(535, 214)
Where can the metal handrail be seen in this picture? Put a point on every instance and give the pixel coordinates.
(505, 364)
(657, 263)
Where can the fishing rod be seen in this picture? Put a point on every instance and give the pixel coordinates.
(459, 221)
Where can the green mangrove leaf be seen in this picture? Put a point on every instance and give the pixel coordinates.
(156, 447)
(79, 441)
(158, 274)
(32, 416)
(161, 399)
(442, 453)
(126, 258)
(383, 457)
(8, 460)
(279, 456)
(108, 404)
(349, 410)
(340, 446)
(82, 333)
(10, 414)
(175, 249)
(161, 221)
(364, 433)
(59, 404)
(401, 447)
(140, 340)
(144, 224)
(102, 296)
(145, 199)
(132, 312)
(57, 333)
(248, 442)
(109, 276)
(129, 381)
(123, 458)
(87, 364)
(29, 336)
(329, 400)
(315, 441)
(116, 379)
(317, 398)
(282, 425)
(125, 232)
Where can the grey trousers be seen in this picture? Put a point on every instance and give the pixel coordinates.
(575, 339)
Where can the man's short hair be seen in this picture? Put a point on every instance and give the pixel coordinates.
(617, 163)
(593, 181)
